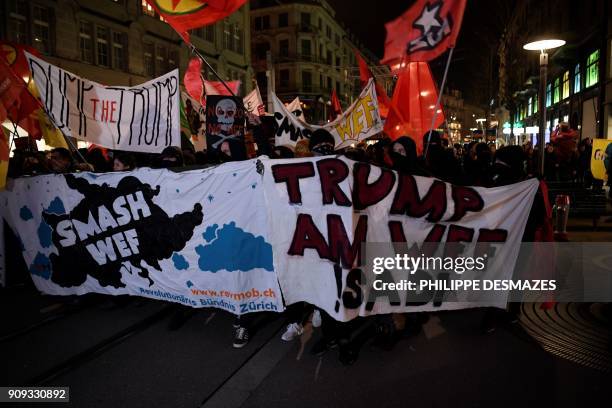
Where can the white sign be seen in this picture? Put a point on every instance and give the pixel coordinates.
(359, 122)
(321, 211)
(193, 237)
(142, 118)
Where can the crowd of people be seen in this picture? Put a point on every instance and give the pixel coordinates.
(474, 164)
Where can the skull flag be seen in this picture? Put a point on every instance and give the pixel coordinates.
(225, 122)
(423, 32)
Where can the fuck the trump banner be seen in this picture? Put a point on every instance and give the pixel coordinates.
(323, 210)
(235, 235)
(359, 122)
(198, 238)
(143, 118)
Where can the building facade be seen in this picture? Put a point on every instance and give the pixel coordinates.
(578, 87)
(311, 53)
(124, 42)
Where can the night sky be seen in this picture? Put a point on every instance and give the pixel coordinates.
(470, 72)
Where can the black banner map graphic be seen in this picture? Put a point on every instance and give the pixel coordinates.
(113, 230)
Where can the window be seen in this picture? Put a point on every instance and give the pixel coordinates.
(284, 78)
(577, 79)
(592, 69)
(262, 23)
(161, 60)
(337, 40)
(566, 86)
(238, 40)
(307, 81)
(305, 19)
(557, 91)
(329, 83)
(149, 61)
(283, 48)
(102, 49)
(283, 19)
(338, 63)
(548, 95)
(17, 27)
(328, 32)
(173, 59)
(206, 33)
(227, 34)
(306, 49)
(119, 51)
(147, 9)
(329, 58)
(41, 29)
(535, 103)
(86, 41)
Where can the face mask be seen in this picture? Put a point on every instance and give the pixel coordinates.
(323, 149)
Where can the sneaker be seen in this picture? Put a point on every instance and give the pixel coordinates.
(241, 337)
(236, 323)
(293, 330)
(316, 318)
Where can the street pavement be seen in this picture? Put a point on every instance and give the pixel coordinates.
(118, 352)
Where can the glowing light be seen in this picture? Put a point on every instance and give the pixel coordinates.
(543, 45)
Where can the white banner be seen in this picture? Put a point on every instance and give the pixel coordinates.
(295, 107)
(254, 106)
(142, 118)
(359, 122)
(199, 238)
(322, 210)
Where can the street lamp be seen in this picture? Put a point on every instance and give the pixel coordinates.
(543, 46)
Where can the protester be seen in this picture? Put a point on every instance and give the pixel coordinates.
(60, 160)
(123, 161)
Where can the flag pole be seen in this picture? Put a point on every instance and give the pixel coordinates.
(195, 51)
(435, 115)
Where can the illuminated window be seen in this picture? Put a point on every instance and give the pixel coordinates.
(592, 69)
(557, 91)
(535, 103)
(147, 9)
(149, 61)
(227, 34)
(566, 85)
(548, 95)
(577, 79)
(529, 106)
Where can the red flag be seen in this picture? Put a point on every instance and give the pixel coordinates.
(217, 87)
(413, 104)
(17, 103)
(13, 55)
(381, 94)
(193, 79)
(336, 108)
(423, 32)
(185, 15)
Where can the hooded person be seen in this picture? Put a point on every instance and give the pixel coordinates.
(403, 154)
(440, 162)
(321, 143)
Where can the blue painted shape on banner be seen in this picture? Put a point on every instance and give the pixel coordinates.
(235, 250)
(41, 266)
(210, 233)
(180, 262)
(56, 207)
(189, 284)
(44, 234)
(25, 213)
